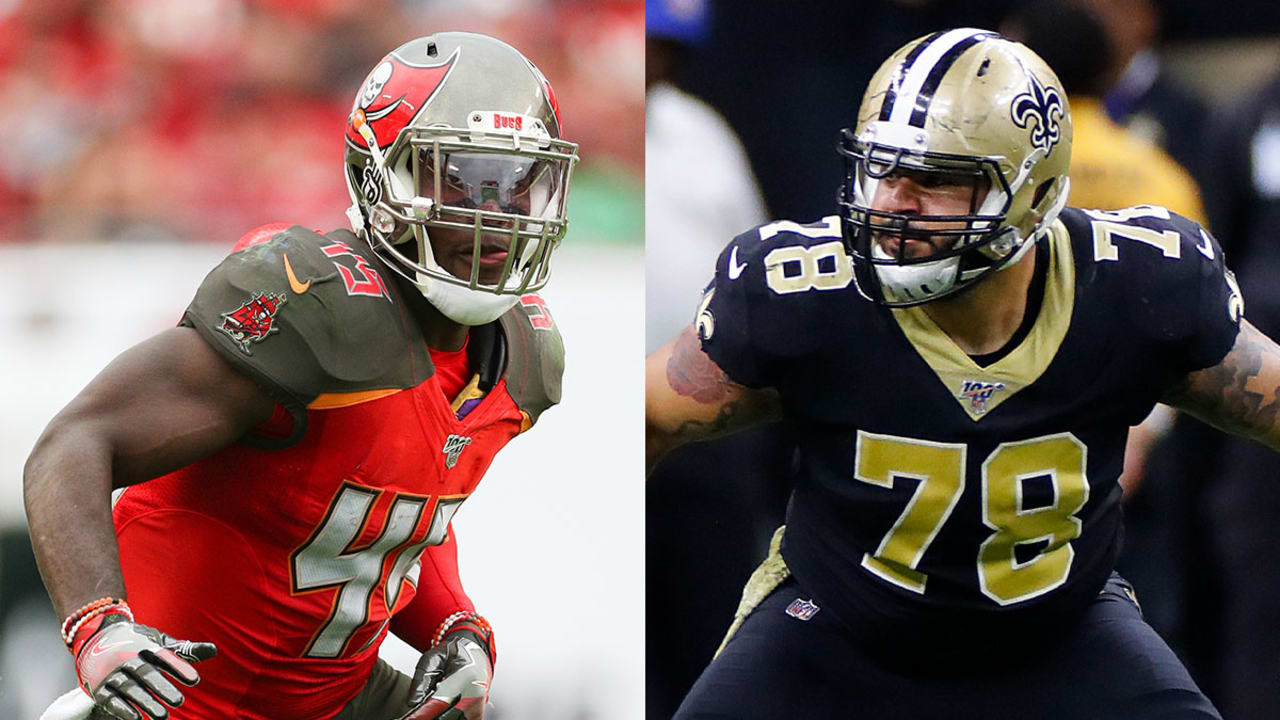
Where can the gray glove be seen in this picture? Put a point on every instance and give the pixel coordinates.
(452, 679)
(123, 667)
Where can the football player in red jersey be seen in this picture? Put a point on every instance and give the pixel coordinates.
(292, 454)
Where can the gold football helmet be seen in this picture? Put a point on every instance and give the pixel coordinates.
(961, 103)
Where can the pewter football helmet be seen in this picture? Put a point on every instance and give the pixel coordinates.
(966, 103)
(459, 131)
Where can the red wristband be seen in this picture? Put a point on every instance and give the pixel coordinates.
(466, 620)
(91, 624)
(78, 618)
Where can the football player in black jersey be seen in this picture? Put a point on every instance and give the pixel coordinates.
(960, 356)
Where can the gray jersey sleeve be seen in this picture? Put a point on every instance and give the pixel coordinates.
(535, 350)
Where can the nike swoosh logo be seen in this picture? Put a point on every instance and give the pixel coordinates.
(735, 269)
(297, 287)
(100, 648)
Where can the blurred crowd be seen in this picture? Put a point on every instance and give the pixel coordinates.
(201, 119)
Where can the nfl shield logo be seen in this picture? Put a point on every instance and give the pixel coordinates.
(802, 609)
(978, 393)
(453, 446)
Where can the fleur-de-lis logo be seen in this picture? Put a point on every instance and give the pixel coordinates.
(706, 322)
(1045, 106)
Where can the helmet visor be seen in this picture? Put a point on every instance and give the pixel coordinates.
(494, 203)
(493, 182)
(485, 212)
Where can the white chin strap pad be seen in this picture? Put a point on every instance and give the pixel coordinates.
(464, 305)
(915, 282)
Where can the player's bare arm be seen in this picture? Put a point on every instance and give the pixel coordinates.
(688, 397)
(1241, 394)
(160, 405)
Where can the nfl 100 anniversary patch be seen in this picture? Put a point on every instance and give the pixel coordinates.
(453, 447)
(978, 393)
(253, 321)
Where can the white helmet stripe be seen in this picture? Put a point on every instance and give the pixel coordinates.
(938, 57)
(891, 92)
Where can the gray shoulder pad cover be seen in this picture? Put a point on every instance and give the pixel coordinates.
(535, 362)
(305, 314)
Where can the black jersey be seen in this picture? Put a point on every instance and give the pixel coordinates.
(936, 499)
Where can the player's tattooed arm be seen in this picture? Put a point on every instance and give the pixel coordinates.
(1241, 394)
(688, 397)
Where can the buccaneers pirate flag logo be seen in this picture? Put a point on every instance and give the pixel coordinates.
(253, 321)
(393, 95)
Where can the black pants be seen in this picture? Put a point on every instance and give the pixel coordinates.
(1113, 665)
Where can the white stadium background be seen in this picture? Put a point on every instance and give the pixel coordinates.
(550, 544)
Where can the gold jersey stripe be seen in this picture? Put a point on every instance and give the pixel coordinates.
(333, 401)
(1019, 368)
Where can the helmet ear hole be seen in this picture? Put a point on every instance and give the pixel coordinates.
(1041, 191)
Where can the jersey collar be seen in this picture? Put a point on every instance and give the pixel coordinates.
(979, 390)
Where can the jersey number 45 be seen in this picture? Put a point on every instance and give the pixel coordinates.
(326, 560)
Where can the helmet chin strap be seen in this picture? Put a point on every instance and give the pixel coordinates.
(459, 304)
(464, 305)
(915, 282)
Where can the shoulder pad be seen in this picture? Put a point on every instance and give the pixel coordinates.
(260, 234)
(535, 356)
(305, 314)
(775, 289)
(1169, 276)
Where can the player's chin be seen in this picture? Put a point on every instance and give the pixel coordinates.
(489, 269)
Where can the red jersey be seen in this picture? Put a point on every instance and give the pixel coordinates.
(293, 560)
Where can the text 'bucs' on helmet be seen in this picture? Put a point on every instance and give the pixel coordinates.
(460, 133)
(955, 107)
